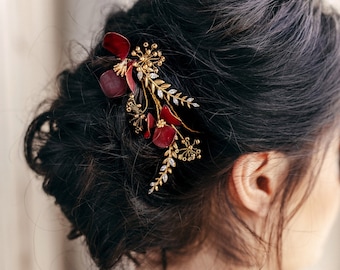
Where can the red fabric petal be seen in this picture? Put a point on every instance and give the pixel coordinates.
(112, 85)
(116, 44)
(169, 117)
(130, 81)
(150, 120)
(164, 136)
(147, 134)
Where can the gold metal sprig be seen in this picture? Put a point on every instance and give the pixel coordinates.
(137, 114)
(166, 169)
(171, 96)
(121, 68)
(154, 115)
(147, 72)
(187, 152)
(147, 67)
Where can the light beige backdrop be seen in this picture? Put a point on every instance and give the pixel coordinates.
(35, 41)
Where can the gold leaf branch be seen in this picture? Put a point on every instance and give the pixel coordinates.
(182, 148)
(166, 169)
(188, 152)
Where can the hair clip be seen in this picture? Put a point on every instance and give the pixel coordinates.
(152, 102)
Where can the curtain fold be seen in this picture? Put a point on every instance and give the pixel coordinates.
(31, 227)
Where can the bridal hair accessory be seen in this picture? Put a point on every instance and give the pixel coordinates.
(151, 103)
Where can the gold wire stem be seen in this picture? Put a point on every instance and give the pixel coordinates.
(146, 100)
(157, 103)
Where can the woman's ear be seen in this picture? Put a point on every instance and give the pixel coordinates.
(255, 179)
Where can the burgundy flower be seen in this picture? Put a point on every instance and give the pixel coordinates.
(112, 85)
(112, 82)
(116, 44)
(164, 134)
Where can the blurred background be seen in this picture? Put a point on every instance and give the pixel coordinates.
(37, 38)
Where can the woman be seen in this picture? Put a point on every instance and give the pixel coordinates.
(199, 135)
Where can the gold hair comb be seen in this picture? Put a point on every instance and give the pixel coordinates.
(152, 102)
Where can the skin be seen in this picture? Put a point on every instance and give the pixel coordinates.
(305, 234)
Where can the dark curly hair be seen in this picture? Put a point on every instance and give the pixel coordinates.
(266, 76)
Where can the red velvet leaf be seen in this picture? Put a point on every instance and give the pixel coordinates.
(129, 79)
(169, 117)
(116, 44)
(112, 85)
(164, 136)
(150, 120)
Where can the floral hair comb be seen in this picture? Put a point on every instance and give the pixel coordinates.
(151, 103)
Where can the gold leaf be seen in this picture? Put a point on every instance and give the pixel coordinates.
(159, 82)
(165, 85)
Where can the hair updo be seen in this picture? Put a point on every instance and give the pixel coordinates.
(266, 76)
